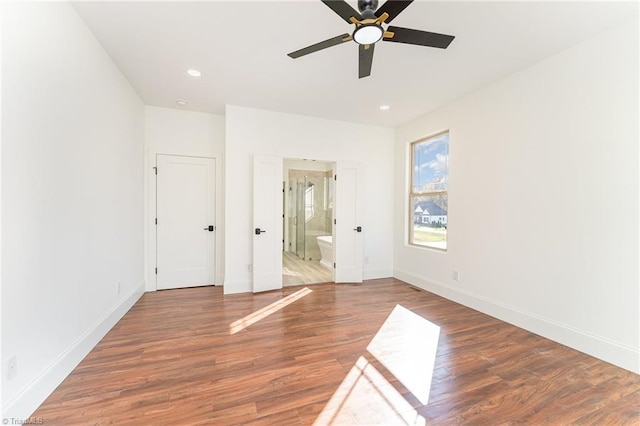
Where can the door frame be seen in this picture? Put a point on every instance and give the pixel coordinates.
(151, 213)
(334, 167)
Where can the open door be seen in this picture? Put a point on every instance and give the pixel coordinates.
(347, 231)
(267, 223)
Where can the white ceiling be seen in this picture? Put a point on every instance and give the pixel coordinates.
(241, 48)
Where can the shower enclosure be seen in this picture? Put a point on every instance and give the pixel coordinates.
(310, 211)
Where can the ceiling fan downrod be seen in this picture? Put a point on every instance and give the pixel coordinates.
(364, 5)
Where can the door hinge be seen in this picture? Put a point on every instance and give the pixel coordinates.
(157, 270)
(334, 221)
(334, 265)
(156, 220)
(155, 170)
(335, 177)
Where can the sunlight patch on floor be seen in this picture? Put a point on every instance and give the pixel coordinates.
(365, 397)
(262, 313)
(406, 345)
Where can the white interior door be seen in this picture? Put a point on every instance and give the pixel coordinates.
(185, 221)
(267, 223)
(347, 231)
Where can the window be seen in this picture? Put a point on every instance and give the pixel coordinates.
(428, 198)
(309, 198)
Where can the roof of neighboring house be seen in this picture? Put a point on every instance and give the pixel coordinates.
(429, 208)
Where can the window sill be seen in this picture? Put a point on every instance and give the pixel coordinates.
(425, 247)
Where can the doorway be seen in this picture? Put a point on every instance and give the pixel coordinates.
(308, 222)
(346, 242)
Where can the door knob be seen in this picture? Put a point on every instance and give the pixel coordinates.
(358, 229)
(210, 228)
(260, 231)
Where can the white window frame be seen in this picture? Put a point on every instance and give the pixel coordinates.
(413, 195)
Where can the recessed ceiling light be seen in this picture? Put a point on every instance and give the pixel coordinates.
(384, 107)
(194, 73)
(181, 102)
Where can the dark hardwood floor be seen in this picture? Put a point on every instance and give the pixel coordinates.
(335, 354)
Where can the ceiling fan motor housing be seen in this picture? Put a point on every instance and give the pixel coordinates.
(367, 5)
(369, 32)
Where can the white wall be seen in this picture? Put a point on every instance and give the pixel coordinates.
(72, 197)
(250, 132)
(2, 368)
(178, 132)
(543, 199)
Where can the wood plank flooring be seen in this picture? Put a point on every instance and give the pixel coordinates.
(337, 355)
(296, 271)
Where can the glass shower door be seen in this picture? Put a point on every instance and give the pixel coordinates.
(299, 220)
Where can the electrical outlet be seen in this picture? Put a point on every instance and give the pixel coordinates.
(12, 367)
(249, 268)
(118, 287)
(455, 275)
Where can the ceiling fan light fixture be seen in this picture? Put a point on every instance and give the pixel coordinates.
(368, 34)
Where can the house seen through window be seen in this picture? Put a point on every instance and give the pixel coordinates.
(428, 198)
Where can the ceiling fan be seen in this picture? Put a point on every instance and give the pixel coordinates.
(369, 30)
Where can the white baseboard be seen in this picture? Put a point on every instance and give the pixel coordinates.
(326, 264)
(34, 394)
(247, 287)
(602, 348)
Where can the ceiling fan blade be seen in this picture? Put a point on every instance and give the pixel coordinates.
(365, 59)
(393, 8)
(319, 46)
(421, 38)
(343, 9)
